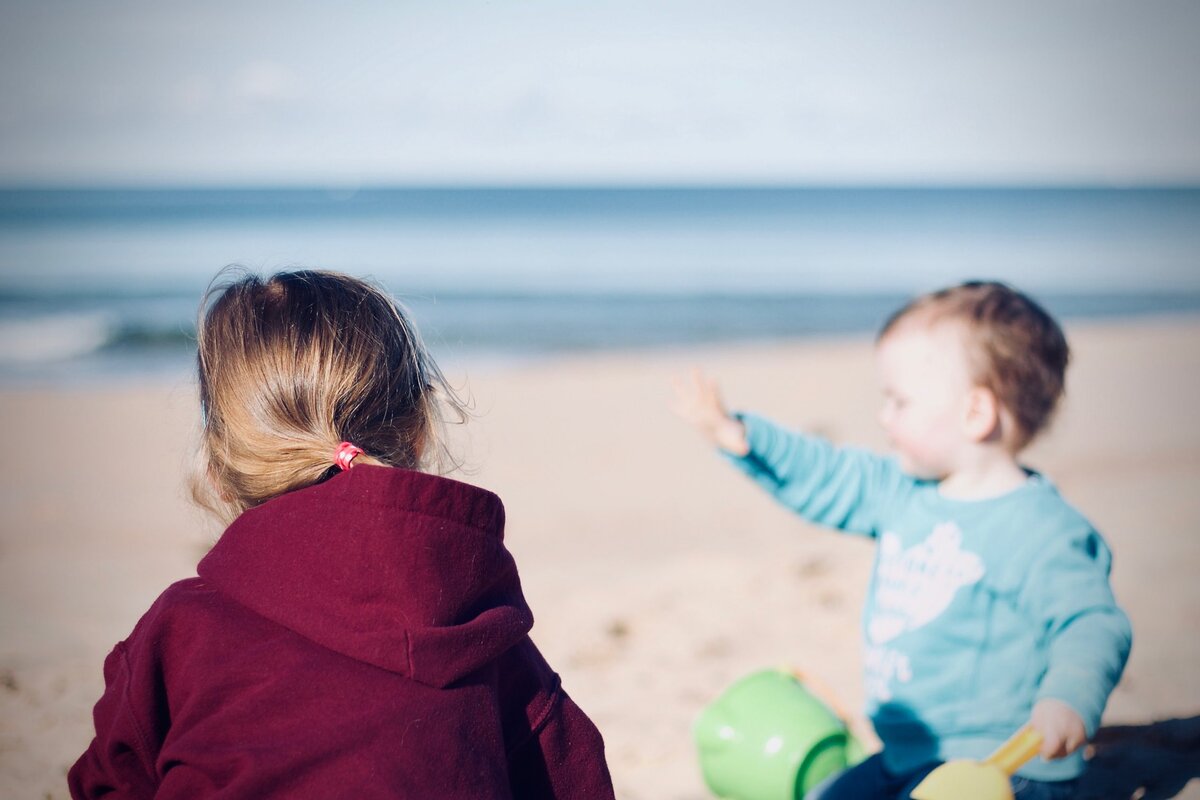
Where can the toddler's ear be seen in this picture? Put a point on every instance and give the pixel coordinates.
(981, 420)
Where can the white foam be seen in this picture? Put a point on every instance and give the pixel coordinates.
(53, 337)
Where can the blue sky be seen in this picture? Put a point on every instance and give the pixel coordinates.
(1086, 91)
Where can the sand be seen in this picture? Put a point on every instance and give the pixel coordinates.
(658, 575)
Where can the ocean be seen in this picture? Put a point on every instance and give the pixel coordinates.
(102, 285)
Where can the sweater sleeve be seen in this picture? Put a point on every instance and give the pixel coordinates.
(565, 759)
(117, 764)
(556, 751)
(1068, 592)
(840, 487)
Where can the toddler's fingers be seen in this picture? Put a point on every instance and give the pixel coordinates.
(685, 388)
(697, 387)
(1053, 746)
(686, 398)
(707, 387)
(1074, 740)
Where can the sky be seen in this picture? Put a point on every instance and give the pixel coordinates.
(129, 92)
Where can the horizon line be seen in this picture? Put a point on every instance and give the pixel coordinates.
(351, 188)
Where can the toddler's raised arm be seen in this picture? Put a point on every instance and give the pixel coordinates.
(843, 488)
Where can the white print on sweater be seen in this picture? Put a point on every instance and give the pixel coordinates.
(882, 665)
(914, 586)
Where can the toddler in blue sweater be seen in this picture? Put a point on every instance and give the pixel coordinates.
(989, 605)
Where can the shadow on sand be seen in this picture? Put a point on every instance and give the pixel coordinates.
(1144, 762)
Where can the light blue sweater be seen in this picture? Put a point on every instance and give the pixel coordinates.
(976, 609)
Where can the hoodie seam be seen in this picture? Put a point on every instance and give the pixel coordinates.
(408, 652)
(143, 748)
(542, 718)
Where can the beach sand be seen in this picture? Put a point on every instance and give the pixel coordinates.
(657, 574)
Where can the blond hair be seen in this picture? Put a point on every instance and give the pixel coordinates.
(292, 365)
(1015, 348)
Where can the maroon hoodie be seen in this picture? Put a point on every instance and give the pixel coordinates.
(365, 637)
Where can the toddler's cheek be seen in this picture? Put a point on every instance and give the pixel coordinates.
(919, 461)
(911, 462)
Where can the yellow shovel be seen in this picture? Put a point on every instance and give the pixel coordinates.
(981, 780)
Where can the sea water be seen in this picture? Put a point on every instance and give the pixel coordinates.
(104, 284)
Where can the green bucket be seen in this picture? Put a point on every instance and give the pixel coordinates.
(767, 737)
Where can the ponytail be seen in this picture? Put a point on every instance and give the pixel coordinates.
(291, 367)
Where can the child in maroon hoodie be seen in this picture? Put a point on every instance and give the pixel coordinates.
(359, 629)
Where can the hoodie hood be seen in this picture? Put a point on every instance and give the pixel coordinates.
(399, 569)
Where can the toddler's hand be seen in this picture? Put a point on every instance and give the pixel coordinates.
(1062, 730)
(698, 401)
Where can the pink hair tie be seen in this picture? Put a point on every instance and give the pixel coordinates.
(346, 453)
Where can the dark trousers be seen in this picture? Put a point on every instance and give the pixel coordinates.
(871, 780)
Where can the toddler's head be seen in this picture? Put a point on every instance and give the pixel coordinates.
(971, 364)
(293, 365)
